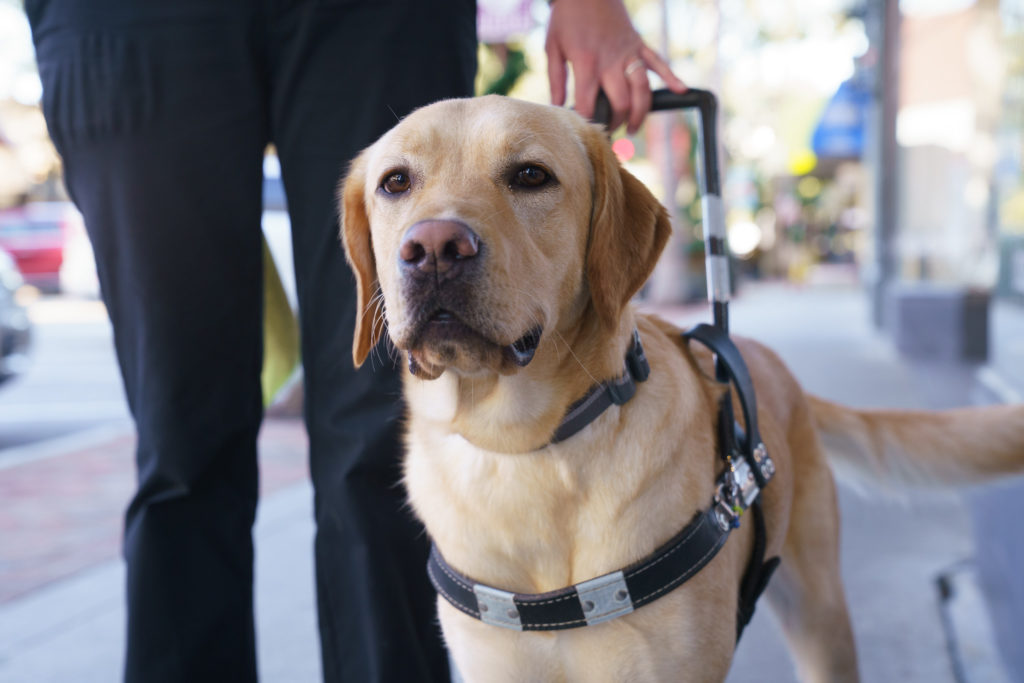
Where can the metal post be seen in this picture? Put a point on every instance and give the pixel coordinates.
(713, 216)
(884, 27)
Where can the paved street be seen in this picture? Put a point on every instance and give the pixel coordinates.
(60, 580)
(73, 383)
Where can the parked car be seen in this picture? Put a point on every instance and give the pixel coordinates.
(78, 269)
(15, 329)
(35, 234)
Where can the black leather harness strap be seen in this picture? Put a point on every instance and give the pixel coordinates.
(591, 602)
(736, 368)
(757, 573)
(746, 442)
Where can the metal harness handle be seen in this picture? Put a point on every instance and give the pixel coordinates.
(712, 213)
(730, 368)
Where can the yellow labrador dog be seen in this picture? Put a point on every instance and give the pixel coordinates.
(498, 243)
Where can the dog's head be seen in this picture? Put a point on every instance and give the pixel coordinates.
(475, 226)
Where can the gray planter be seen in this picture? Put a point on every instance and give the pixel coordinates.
(939, 322)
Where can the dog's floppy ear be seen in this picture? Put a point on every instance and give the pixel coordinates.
(628, 230)
(355, 234)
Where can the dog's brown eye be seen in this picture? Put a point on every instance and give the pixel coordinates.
(531, 176)
(396, 183)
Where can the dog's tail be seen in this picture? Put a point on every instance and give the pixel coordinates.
(900, 448)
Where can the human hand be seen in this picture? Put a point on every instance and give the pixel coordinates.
(606, 52)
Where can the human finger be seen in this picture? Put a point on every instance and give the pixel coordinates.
(617, 88)
(586, 87)
(659, 66)
(557, 74)
(640, 96)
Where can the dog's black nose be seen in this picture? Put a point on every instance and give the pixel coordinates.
(438, 247)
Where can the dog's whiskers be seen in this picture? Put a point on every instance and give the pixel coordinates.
(572, 353)
(377, 305)
(535, 319)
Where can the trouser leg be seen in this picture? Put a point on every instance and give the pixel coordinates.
(158, 116)
(344, 72)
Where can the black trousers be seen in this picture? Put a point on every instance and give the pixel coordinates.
(161, 111)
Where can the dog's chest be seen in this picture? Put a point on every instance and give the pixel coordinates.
(536, 522)
(497, 517)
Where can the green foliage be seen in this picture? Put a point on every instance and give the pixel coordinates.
(512, 70)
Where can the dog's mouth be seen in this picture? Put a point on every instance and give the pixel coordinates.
(522, 350)
(444, 339)
(444, 326)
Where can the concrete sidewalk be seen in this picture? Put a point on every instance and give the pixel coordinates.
(892, 550)
(62, 615)
(69, 625)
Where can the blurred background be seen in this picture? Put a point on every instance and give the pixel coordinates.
(874, 197)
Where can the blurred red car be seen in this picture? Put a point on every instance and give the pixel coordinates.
(15, 328)
(35, 234)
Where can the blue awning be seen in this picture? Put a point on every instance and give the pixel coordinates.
(840, 131)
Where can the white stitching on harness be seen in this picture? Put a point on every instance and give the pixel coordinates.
(451, 600)
(453, 577)
(469, 587)
(640, 571)
(679, 579)
(554, 623)
(552, 601)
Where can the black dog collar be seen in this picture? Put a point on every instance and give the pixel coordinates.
(606, 394)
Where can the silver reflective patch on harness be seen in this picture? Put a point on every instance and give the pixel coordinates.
(497, 607)
(604, 598)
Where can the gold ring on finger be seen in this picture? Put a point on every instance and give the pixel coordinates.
(634, 65)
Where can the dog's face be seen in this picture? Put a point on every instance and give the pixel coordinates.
(485, 223)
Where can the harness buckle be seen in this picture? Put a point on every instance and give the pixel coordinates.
(744, 481)
(725, 515)
(764, 461)
(736, 491)
(727, 502)
(636, 362)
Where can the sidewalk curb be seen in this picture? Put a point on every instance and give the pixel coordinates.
(967, 621)
(79, 440)
(998, 385)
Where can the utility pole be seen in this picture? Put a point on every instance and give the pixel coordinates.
(883, 24)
